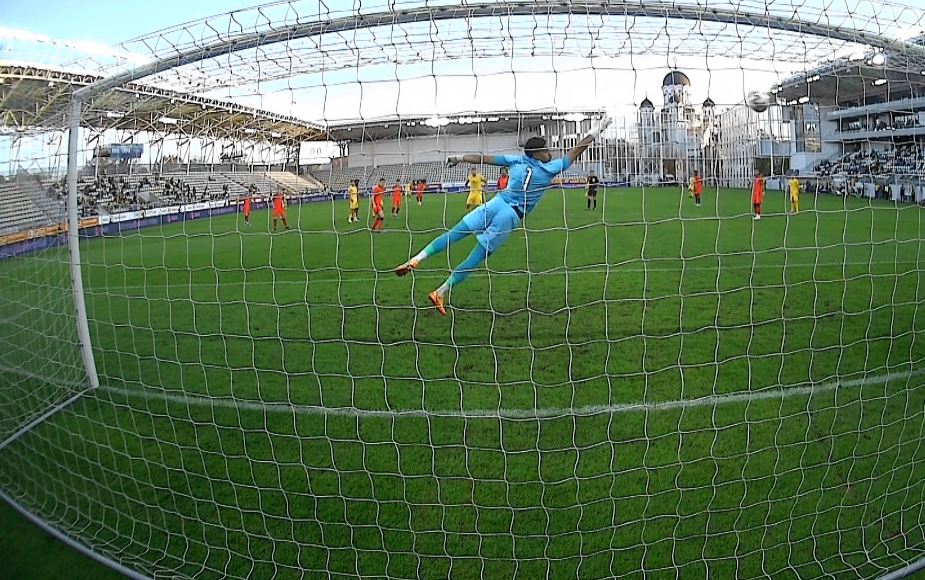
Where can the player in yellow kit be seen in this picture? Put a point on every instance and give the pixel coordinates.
(794, 194)
(476, 183)
(353, 194)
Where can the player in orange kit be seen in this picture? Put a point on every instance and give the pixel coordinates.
(378, 192)
(279, 209)
(502, 180)
(758, 194)
(698, 187)
(397, 190)
(247, 208)
(419, 190)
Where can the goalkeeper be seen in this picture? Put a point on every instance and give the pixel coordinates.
(492, 222)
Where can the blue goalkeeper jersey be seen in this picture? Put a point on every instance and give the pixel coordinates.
(529, 179)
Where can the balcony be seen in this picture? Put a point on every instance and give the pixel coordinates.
(875, 134)
(904, 105)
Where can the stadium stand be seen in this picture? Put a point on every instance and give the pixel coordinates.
(907, 160)
(29, 202)
(460, 173)
(433, 172)
(896, 172)
(114, 193)
(338, 180)
(295, 183)
(23, 206)
(111, 194)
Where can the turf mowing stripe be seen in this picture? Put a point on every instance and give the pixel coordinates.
(543, 413)
(616, 269)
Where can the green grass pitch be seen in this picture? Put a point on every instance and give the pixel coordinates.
(648, 386)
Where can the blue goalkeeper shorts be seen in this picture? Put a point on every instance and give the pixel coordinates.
(492, 223)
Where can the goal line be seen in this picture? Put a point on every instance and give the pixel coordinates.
(540, 413)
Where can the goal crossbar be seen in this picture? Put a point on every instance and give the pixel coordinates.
(619, 8)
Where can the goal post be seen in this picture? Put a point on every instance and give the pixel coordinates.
(73, 243)
(664, 372)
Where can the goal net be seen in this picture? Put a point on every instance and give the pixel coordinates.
(658, 370)
(40, 366)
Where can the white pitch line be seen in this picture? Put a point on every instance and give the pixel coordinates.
(542, 413)
(616, 270)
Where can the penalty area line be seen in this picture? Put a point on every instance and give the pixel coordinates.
(539, 413)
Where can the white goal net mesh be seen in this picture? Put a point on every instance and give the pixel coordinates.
(664, 377)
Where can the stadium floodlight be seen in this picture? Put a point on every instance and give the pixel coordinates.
(437, 122)
(635, 383)
(878, 59)
(803, 100)
(879, 82)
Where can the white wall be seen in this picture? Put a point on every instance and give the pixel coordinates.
(424, 149)
(806, 162)
(828, 128)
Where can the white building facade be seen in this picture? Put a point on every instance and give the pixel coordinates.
(726, 146)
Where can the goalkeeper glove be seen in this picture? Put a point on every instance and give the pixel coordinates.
(596, 130)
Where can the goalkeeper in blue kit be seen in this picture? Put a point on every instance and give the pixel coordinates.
(492, 222)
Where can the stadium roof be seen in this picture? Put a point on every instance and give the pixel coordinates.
(461, 124)
(36, 98)
(859, 78)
